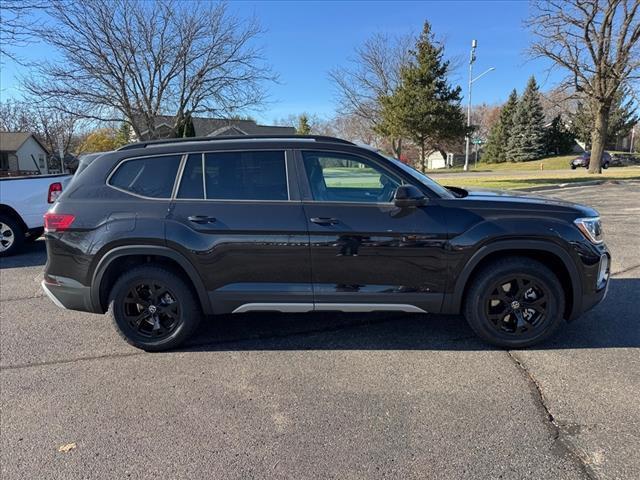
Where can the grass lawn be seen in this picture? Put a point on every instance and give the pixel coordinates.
(550, 163)
(506, 182)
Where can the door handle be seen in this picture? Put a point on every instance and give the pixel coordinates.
(324, 220)
(201, 219)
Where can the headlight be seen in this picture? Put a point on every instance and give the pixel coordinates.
(590, 228)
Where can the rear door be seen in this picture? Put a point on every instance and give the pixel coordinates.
(240, 221)
(366, 252)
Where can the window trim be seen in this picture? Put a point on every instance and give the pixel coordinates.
(305, 178)
(142, 157)
(286, 158)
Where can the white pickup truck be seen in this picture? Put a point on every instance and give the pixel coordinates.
(23, 203)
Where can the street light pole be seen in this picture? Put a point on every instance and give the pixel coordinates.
(472, 58)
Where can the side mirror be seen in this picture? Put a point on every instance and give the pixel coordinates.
(409, 196)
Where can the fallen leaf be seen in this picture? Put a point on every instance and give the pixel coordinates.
(66, 447)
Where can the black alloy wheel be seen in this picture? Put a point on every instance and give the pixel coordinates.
(517, 305)
(514, 302)
(153, 308)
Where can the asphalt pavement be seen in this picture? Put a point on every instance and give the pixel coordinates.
(325, 395)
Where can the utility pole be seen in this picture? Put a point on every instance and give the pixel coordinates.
(472, 59)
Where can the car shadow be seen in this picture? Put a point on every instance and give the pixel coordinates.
(33, 254)
(612, 324)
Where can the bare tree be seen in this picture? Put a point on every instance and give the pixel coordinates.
(17, 22)
(53, 127)
(135, 60)
(598, 43)
(372, 74)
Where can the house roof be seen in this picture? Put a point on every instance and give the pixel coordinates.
(12, 141)
(205, 127)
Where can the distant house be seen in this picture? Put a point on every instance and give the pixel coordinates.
(22, 154)
(439, 159)
(216, 127)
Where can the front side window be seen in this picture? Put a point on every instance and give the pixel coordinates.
(235, 176)
(150, 177)
(338, 177)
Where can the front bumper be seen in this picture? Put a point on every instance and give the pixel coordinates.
(67, 293)
(597, 282)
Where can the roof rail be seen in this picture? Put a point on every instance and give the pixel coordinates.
(168, 141)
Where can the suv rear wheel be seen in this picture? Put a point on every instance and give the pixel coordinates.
(514, 303)
(153, 308)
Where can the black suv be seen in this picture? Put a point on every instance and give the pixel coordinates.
(160, 234)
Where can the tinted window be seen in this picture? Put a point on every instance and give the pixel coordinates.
(191, 184)
(246, 176)
(336, 177)
(150, 177)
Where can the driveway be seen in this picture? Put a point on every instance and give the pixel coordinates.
(324, 395)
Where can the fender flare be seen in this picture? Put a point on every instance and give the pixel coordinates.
(157, 250)
(453, 300)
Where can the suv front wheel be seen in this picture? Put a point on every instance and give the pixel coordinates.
(153, 308)
(515, 302)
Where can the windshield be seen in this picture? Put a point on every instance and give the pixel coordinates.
(422, 178)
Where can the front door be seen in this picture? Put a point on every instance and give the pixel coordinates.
(241, 223)
(366, 253)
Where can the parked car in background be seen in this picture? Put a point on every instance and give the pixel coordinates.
(584, 159)
(160, 234)
(23, 203)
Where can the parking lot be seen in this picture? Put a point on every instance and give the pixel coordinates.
(325, 395)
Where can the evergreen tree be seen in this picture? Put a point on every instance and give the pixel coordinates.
(185, 128)
(424, 107)
(526, 140)
(124, 134)
(622, 117)
(303, 127)
(558, 140)
(496, 149)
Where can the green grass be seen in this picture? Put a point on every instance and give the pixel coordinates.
(550, 163)
(506, 182)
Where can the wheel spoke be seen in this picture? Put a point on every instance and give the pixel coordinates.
(151, 309)
(143, 316)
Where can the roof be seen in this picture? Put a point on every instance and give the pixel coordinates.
(234, 139)
(222, 126)
(12, 141)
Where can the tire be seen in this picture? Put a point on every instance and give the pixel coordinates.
(497, 300)
(573, 167)
(11, 236)
(176, 316)
(605, 166)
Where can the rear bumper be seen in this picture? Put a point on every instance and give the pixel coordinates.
(68, 293)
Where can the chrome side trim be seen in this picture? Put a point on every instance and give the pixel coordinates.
(369, 307)
(275, 307)
(340, 307)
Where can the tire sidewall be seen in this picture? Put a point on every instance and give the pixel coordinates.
(475, 311)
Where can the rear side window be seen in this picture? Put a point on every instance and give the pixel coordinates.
(150, 177)
(192, 184)
(236, 176)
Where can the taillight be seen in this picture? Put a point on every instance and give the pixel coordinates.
(55, 189)
(57, 222)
